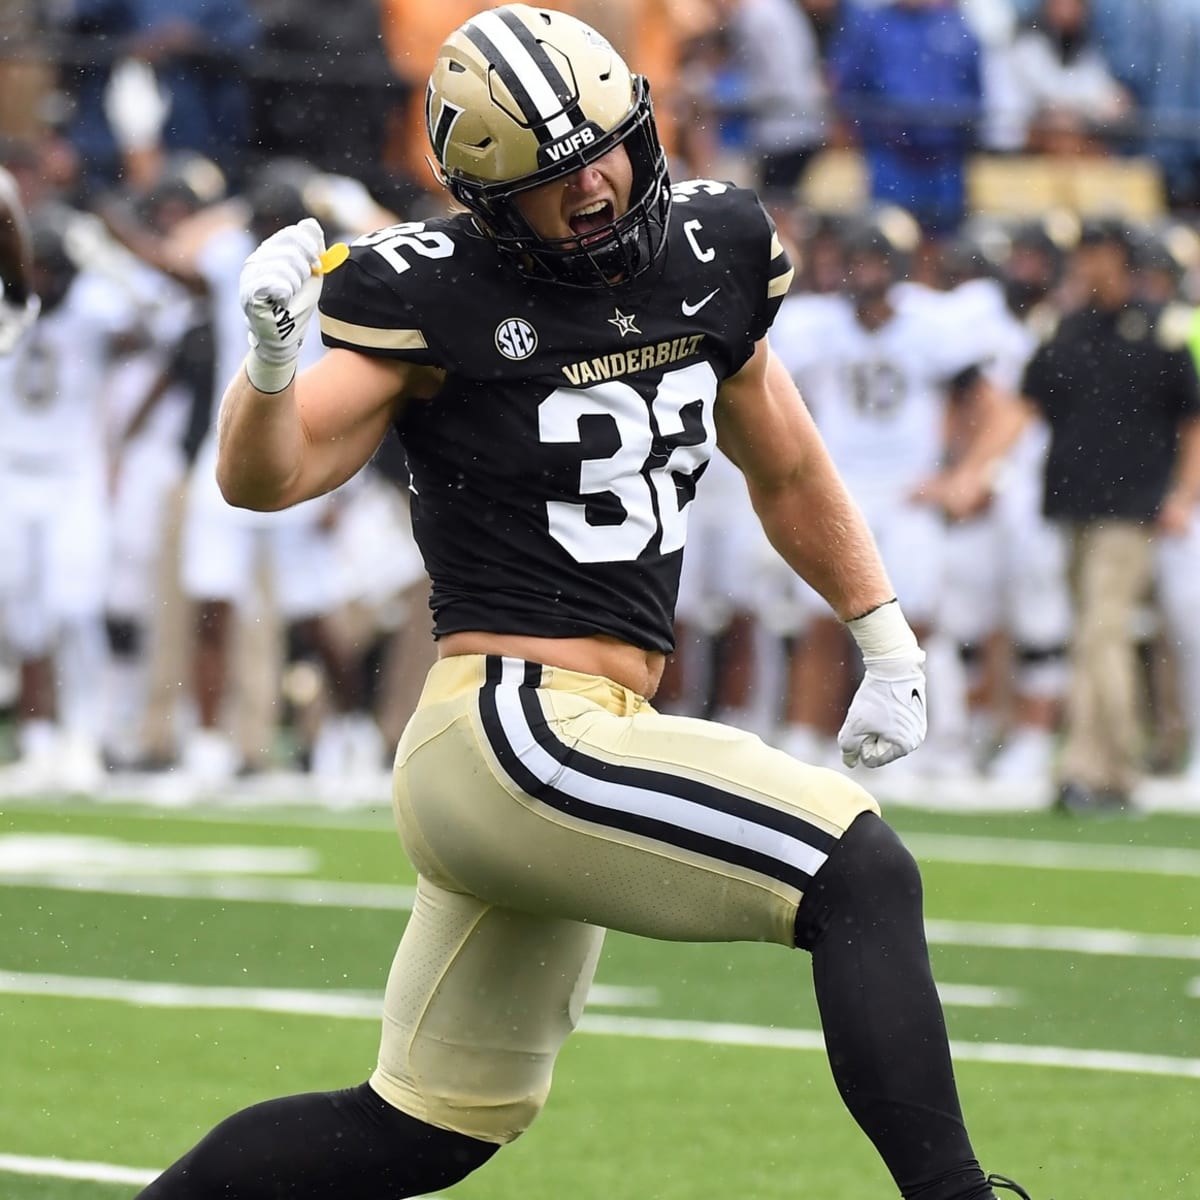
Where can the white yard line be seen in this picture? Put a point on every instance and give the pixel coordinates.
(317, 893)
(723, 1034)
(391, 897)
(62, 853)
(92, 1172)
(974, 995)
(612, 1025)
(1072, 939)
(343, 1004)
(61, 1168)
(1056, 856)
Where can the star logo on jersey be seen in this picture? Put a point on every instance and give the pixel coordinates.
(625, 324)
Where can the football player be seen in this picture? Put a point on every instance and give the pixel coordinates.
(877, 365)
(19, 306)
(559, 359)
(1006, 567)
(53, 478)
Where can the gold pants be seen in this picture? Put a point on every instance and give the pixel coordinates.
(540, 807)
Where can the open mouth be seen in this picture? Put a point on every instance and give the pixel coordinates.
(589, 221)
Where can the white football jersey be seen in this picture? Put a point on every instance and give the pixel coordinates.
(1002, 344)
(162, 310)
(878, 397)
(51, 387)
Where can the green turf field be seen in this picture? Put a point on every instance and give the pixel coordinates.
(1069, 958)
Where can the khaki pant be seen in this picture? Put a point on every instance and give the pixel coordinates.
(540, 807)
(1111, 569)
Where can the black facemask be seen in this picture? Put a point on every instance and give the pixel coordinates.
(614, 254)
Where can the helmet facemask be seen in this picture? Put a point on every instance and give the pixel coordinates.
(493, 144)
(610, 255)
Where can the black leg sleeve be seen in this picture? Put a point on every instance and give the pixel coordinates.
(350, 1144)
(862, 919)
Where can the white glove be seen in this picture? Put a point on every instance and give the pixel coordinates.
(15, 321)
(278, 290)
(887, 718)
(136, 104)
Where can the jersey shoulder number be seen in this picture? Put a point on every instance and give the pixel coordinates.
(715, 219)
(392, 286)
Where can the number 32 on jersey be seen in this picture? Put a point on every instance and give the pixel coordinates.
(671, 435)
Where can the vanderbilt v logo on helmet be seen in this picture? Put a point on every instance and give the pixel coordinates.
(521, 96)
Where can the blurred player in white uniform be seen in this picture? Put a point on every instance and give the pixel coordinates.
(717, 664)
(148, 408)
(875, 366)
(222, 545)
(19, 304)
(54, 469)
(19, 307)
(1006, 567)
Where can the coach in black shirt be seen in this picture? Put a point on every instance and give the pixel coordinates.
(1119, 390)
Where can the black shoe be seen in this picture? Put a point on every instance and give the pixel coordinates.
(1002, 1181)
(1077, 799)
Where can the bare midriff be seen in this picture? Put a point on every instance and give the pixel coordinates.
(632, 667)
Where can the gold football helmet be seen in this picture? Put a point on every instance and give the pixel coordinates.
(521, 96)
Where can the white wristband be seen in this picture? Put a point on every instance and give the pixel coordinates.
(266, 377)
(884, 633)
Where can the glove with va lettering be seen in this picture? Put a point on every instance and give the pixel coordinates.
(278, 289)
(886, 718)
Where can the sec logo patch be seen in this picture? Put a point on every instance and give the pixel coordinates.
(516, 338)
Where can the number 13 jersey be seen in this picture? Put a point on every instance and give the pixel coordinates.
(552, 473)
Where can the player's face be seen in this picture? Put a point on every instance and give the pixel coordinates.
(1099, 269)
(868, 277)
(1028, 277)
(581, 203)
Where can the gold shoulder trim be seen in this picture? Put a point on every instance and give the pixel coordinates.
(372, 338)
(780, 284)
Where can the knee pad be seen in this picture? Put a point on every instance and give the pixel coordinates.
(869, 872)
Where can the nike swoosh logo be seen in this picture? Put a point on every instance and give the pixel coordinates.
(690, 310)
(917, 697)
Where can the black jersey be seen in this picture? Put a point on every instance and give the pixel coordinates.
(552, 473)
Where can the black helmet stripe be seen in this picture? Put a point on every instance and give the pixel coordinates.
(509, 78)
(568, 98)
(534, 92)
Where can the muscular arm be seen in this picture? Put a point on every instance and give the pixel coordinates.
(804, 507)
(277, 450)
